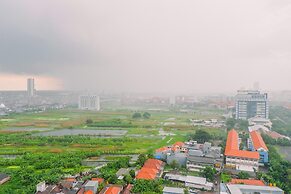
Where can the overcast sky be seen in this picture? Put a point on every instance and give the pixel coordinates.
(146, 45)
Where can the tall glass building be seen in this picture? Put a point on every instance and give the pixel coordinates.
(251, 103)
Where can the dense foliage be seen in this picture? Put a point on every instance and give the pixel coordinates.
(148, 186)
(209, 173)
(279, 171)
(200, 136)
(31, 169)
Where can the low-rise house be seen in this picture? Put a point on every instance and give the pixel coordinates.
(151, 169)
(112, 189)
(242, 189)
(4, 178)
(201, 155)
(179, 158)
(91, 186)
(99, 180)
(173, 190)
(161, 153)
(128, 189)
(191, 181)
(121, 172)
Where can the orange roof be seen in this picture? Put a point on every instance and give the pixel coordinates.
(147, 173)
(153, 163)
(232, 147)
(150, 169)
(100, 180)
(247, 182)
(258, 141)
(232, 141)
(163, 149)
(179, 143)
(243, 154)
(174, 149)
(71, 179)
(113, 190)
(274, 135)
(89, 192)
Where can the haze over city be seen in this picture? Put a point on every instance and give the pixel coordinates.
(145, 46)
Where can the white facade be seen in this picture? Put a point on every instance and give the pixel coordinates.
(250, 189)
(251, 103)
(244, 164)
(89, 102)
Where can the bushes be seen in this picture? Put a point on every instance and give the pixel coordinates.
(148, 186)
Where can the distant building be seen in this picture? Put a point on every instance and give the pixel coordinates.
(89, 102)
(30, 87)
(251, 103)
(172, 100)
(237, 159)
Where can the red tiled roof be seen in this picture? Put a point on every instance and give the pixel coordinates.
(163, 149)
(153, 163)
(100, 180)
(258, 141)
(247, 182)
(88, 192)
(232, 141)
(179, 143)
(232, 147)
(113, 190)
(71, 179)
(274, 135)
(150, 169)
(147, 173)
(128, 189)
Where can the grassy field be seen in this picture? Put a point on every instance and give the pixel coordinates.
(37, 155)
(142, 134)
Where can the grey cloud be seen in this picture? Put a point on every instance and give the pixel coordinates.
(149, 45)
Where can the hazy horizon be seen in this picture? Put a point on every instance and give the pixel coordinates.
(148, 46)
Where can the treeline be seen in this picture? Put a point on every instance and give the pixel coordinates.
(110, 123)
(280, 141)
(28, 139)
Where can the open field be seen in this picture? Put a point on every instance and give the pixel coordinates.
(51, 144)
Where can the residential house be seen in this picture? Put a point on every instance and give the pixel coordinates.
(151, 169)
(191, 181)
(173, 190)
